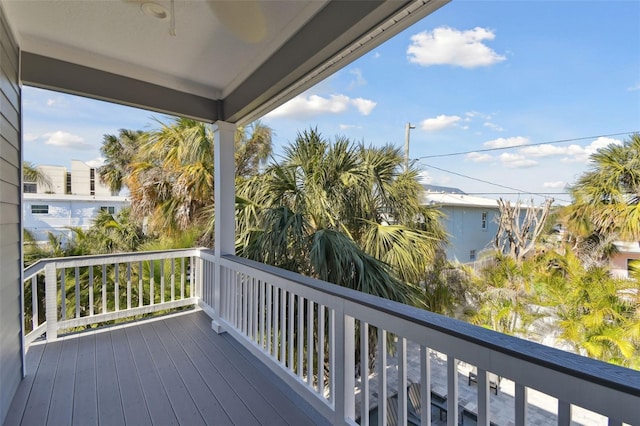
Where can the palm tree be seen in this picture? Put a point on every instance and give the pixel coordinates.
(119, 152)
(341, 212)
(607, 197)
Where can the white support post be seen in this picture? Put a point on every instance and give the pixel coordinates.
(345, 369)
(521, 405)
(51, 301)
(484, 388)
(452, 391)
(225, 201)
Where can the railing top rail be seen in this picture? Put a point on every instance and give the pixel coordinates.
(34, 268)
(609, 375)
(123, 257)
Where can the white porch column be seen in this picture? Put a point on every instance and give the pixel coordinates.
(225, 199)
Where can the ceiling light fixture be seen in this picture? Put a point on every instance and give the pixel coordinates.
(154, 10)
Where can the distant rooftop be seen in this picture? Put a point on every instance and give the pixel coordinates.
(443, 189)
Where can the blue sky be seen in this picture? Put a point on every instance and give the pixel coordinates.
(471, 76)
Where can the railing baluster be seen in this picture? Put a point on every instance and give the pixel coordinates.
(452, 391)
(381, 365)
(34, 302)
(276, 316)
(140, 287)
(364, 373)
(521, 405)
(320, 349)
(564, 413)
(290, 338)
(173, 280)
(91, 301)
(245, 304)
(345, 364)
(162, 262)
(300, 335)
(152, 283)
(116, 285)
(51, 301)
(182, 278)
(425, 387)
(262, 313)
(63, 292)
(483, 396)
(77, 291)
(333, 369)
(268, 325)
(283, 326)
(250, 282)
(310, 309)
(256, 309)
(192, 272)
(402, 380)
(128, 285)
(104, 289)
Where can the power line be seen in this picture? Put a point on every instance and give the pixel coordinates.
(519, 191)
(451, 154)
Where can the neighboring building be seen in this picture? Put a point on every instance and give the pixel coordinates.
(44, 213)
(81, 180)
(620, 262)
(470, 222)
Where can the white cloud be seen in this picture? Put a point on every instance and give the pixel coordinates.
(634, 88)
(578, 154)
(308, 106)
(544, 150)
(28, 137)
(51, 102)
(505, 142)
(493, 126)
(358, 79)
(66, 140)
(555, 184)
(424, 177)
(364, 106)
(477, 157)
(96, 162)
(349, 126)
(448, 46)
(376, 55)
(516, 161)
(438, 123)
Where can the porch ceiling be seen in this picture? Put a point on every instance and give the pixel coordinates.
(231, 61)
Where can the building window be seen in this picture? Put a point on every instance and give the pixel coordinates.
(40, 209)
(472, 255)
(68, 183)
(108, 209)
(484, 221)
(92, 181)
(30, 188)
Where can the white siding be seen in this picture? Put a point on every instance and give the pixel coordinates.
(464, 226)
(10, 238)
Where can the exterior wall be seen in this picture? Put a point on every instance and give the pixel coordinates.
(81, 180)
(464, 226)
(618, 262)
(58, 177)
(63, 212)
(10, 226)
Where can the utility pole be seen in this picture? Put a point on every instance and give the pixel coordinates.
(406, 145)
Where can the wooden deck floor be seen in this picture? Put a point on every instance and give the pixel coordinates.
(175, 370)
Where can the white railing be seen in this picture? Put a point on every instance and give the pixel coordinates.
(308, 332)
(74, 292)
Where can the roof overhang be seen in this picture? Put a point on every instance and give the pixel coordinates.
(108, 49)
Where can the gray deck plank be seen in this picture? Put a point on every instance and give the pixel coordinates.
(32, 361)
(161, 411)
(234, 406)
(210, 408)
(37, 408)
(243, 371)
(168, 371)
(184, 407)
(133, 403)
(61, 408)
(109, 400)
(85, 397)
